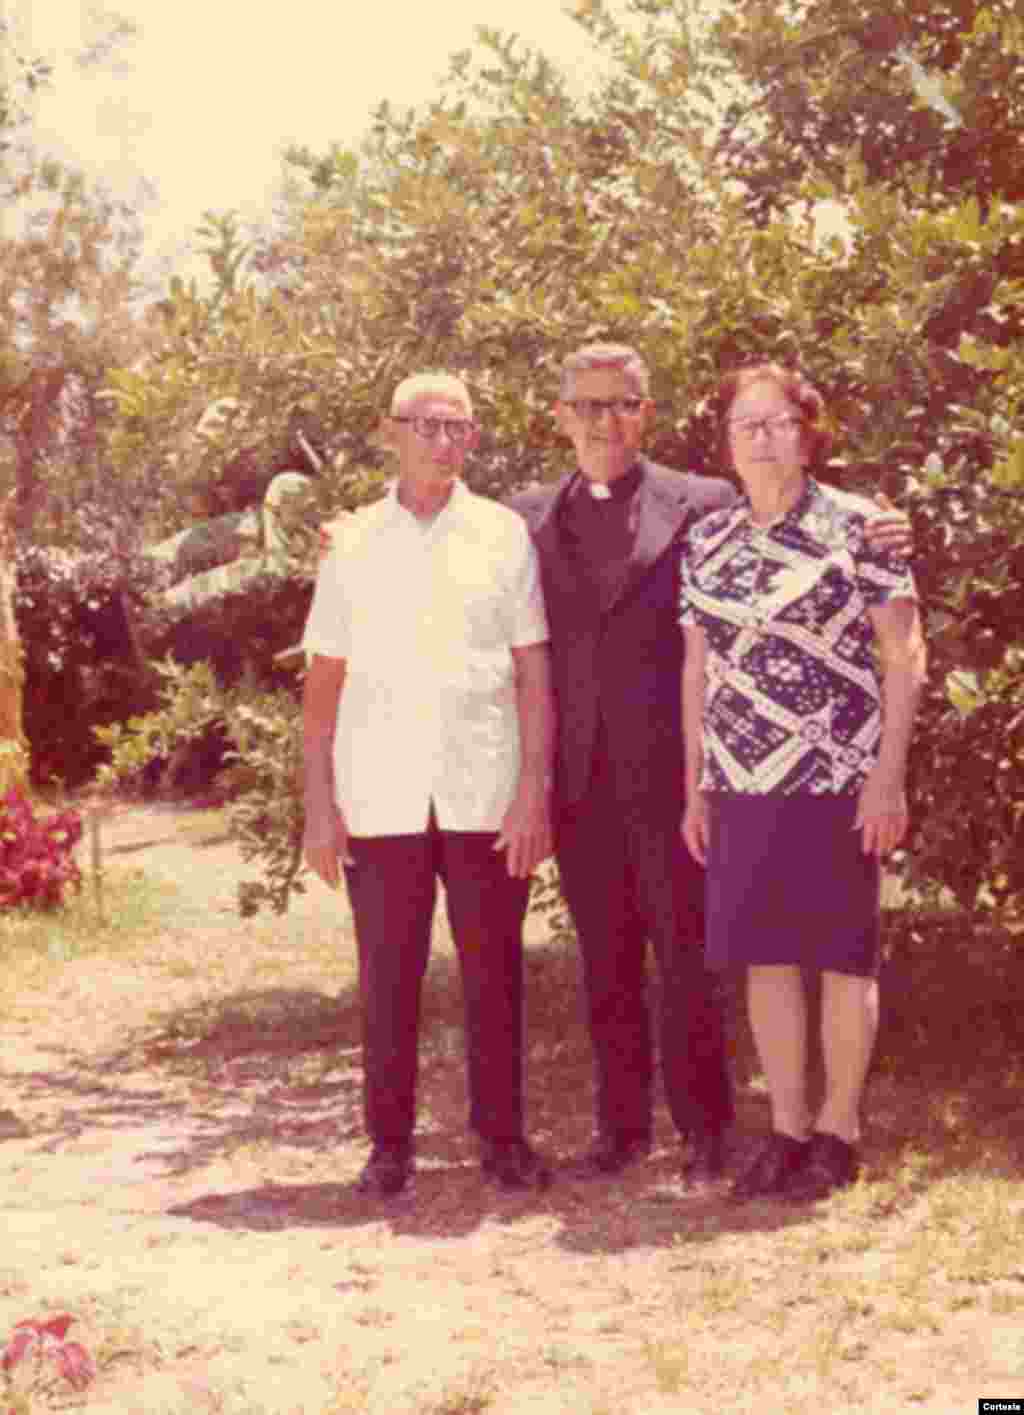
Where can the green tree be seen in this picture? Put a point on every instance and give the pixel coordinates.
(68, 315)
(911, 121)
(68, 283)
(20, 76)
(680, 208)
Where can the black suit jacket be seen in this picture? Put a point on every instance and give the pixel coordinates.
(619, 668)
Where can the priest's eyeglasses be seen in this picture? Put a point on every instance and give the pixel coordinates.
(590, 409)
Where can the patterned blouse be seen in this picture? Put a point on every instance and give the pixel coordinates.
(793, 699)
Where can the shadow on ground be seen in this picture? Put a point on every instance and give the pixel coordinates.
(277, 1071)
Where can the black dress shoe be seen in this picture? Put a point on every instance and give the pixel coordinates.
(514, 1165)
(386, 1171)
(772, 1169)
(610, 1154)
(706, 1161)
(830, 1164)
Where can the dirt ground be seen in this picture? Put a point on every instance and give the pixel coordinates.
(180, 1180)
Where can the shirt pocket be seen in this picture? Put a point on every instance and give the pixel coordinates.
(478, 598)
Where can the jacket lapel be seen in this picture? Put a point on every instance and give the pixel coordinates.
(662, 510)
(560, 574)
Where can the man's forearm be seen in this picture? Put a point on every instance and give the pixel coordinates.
(322, 695)
(318, 774)
(536, 710)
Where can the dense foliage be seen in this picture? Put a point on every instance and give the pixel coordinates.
(263, 759)
(911, 120)
(83, 667)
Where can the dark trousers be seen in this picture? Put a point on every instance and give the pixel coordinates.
(392, 888)
(628, 879)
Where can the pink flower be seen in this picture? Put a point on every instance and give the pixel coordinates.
(36, 861)
(46, 1340)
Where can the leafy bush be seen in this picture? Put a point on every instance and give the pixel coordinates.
(267, 816)
(75, 614)
(238, 633)
(968, 769)
(90, 621)
(264, 756)
(36, 861)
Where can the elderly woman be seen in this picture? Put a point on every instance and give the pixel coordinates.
(804, 662)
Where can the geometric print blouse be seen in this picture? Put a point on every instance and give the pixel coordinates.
(793, 702)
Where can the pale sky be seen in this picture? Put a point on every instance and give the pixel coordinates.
(205, 98)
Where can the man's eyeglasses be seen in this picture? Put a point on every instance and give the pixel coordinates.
(590, 409)
(430, 429)
(782, 425)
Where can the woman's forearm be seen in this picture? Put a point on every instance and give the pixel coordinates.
(901, 693)
(903, 667)
(693, 695)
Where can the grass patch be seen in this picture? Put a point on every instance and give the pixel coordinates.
(471, 1395)
(203, 827)
(129, 908)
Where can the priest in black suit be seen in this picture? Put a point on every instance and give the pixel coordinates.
(608, 537)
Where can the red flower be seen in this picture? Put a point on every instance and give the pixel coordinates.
(46, 1339)
(36, 862)
(75, 1364)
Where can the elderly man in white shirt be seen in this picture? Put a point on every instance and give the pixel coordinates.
(428, 737)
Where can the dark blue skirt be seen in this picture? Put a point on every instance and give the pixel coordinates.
(788, 883)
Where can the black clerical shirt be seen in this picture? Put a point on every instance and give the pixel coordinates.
(600, 531)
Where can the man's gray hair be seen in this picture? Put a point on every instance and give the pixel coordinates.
(438, 384)
(618, 356)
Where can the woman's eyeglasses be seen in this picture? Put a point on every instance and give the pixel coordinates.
(782, 425)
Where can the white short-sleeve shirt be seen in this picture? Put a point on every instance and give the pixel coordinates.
(426, 617)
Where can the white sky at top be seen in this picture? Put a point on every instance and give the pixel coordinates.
(202, 102)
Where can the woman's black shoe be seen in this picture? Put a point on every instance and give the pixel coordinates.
(831, 1164)
(778, 1160)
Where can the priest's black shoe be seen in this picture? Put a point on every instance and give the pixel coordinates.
(610, 1154)
(514, 1165)
(386, 1172)
(706, 1159)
